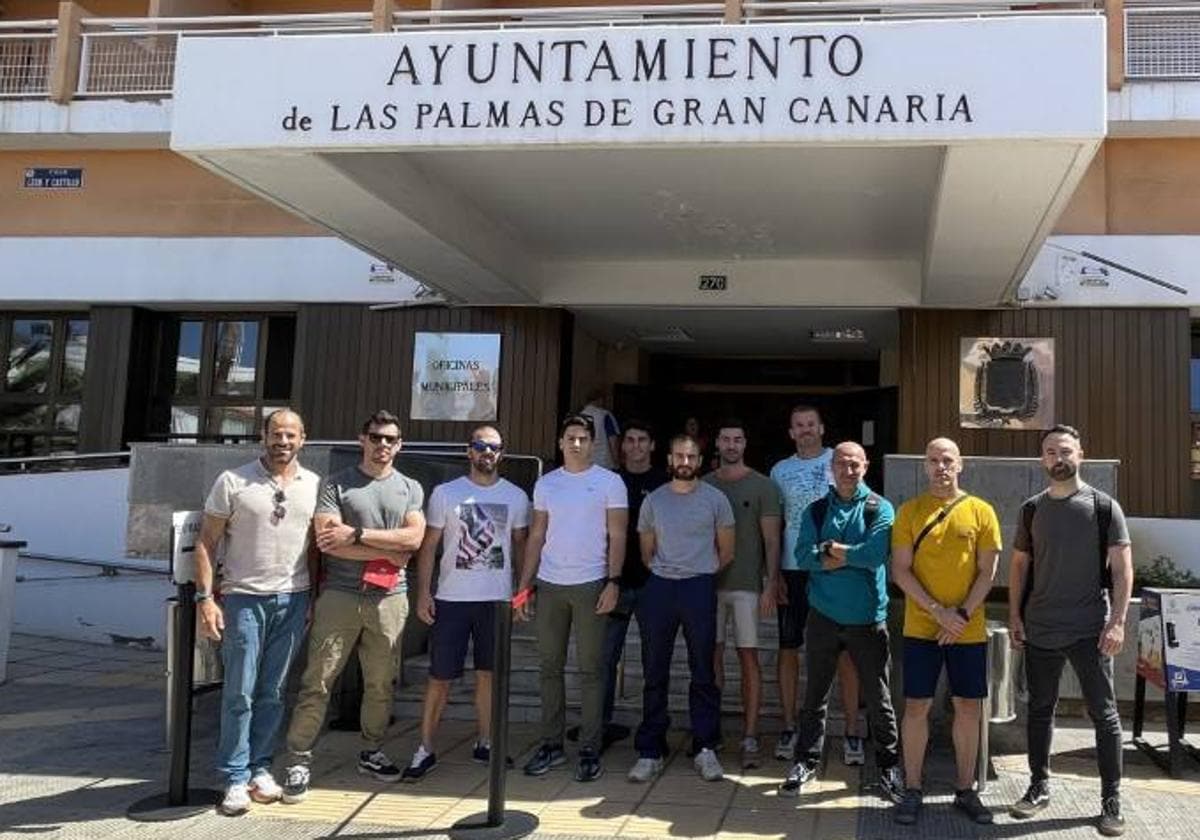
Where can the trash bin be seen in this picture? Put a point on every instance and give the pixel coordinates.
(1002, 682)
(207, 668)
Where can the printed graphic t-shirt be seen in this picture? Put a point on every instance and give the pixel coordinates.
(477, 524)
(801, 482)
(576, 548)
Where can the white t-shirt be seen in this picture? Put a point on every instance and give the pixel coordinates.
(605, 426)
(477, 524)
(576, 549)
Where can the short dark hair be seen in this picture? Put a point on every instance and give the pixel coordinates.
(803, 408)
(479, 428)
(577, 420)
(731, 423)
(382, 417)
(270, 418)
(638, 425)
(1060, 429)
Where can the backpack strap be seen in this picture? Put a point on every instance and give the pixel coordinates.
(1028, 508)
(871, 511)
(1102, 503)
(818, 509)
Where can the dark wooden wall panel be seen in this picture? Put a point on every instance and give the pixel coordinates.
(351, 361)
(1121, 377)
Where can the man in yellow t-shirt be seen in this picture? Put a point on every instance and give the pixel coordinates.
(945, 544)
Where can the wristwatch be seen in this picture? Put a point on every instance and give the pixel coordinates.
(616, 581)
(201, 595)
(358, 532)
(962, 613)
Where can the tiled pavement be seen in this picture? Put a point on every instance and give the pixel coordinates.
(81, 738)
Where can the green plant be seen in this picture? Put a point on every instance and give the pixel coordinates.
(1161, 571)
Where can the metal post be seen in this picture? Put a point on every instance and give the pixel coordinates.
(498, 823)
(8, 597)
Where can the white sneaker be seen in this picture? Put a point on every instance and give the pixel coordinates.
(750, 752)
(645, 769)
(785, 747)
(707, 766)
(264, 788)
(236, 801)
(853, 753)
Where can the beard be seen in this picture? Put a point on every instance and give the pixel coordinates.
(485, 467)
(1062, 472)
(683, 473)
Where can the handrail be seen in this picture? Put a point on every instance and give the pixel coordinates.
(86, 456)
(1162, 42)
(108, 567)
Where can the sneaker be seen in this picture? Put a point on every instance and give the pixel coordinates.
(589, 768)
(785, 747)
(236, 800)
(645, 769)
(1036, 797)
(909, 807)
(376, 763)
(707, 766)
(481, 753)
(750, 752)
(852, 751)
(796, 778)
(891, 783)
(547, 757)
(263, 787)
(420, 766)
(1112, 824)
(295, 784)
(969, 803)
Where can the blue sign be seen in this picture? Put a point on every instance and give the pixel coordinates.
(54, 178)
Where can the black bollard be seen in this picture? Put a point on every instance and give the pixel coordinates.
(498, 823)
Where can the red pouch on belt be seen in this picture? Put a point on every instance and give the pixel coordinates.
(381, 574)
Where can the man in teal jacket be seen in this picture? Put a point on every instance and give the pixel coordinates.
(844, 544)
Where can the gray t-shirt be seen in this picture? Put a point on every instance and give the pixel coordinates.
(752, 497)
(365, 502)
(1068, 601)
(685, 529)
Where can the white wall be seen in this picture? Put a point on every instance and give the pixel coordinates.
(283, 269)
(73, 514)
(1061, 276)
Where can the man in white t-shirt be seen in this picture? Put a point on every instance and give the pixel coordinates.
(482, 521)
(575, 552)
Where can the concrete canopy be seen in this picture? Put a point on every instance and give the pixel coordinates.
(860, 165)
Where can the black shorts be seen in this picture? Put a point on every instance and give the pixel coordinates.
(454, 624)
(965, 664)
(793, 615)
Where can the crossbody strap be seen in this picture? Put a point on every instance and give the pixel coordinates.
(937, 521)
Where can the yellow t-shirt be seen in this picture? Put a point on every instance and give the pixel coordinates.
(945, 562)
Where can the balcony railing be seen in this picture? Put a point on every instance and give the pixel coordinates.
(1162, 42)
(26, 58)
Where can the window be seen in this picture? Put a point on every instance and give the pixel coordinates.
(41, 383)
(229, 372)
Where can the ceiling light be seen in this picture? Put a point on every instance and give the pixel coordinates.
(843, 335)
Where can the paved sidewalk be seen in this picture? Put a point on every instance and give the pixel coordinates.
(81, 738)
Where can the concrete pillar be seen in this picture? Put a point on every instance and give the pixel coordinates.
(733, 11)
(383, 13)
(8, 594)
(1114, 12)
(64, 74)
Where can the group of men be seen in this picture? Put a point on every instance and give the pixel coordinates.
(811, 543)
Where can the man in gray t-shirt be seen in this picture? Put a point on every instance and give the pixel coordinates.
(686, 531)
(1071, 543)
(368, 523)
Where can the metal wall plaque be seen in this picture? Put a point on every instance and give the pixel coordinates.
(456, 376)
(54, 178)
(1006, 383)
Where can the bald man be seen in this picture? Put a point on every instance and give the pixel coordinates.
(945, 545)
(843, 544)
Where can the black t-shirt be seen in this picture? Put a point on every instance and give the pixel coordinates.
(639, 485)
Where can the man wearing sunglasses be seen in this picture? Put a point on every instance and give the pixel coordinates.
(263, 514)
(368, 523)
(481, 521)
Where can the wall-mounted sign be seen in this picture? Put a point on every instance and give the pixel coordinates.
(456, 376)
(53, 178)
(1006, 383)
(713, 283)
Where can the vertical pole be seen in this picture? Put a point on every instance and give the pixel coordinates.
(499, 750)
(181, 686)
(985, 714)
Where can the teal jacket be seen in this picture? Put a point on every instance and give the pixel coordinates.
(857, 592)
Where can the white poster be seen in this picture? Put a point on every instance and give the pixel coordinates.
(456, 376)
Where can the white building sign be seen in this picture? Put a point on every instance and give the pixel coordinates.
(456, 376)
(1030, 77)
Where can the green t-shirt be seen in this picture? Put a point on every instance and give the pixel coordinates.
(751, 498)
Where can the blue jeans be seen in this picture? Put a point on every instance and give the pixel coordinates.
(665, 606)
(262, 634)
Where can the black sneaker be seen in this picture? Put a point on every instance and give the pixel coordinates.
(909, 807)
(969, 803)
(590, 769)
(376, 763)
(795, 779)
(482, 754)
(1036, 798)
(422, 765)
(1112, 824)
(295, 784)
(891, 783)
(547, 757)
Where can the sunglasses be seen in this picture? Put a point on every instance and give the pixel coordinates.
(280, 511)
(386, 440)
(484, 446)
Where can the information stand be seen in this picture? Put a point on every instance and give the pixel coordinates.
(1168, 657)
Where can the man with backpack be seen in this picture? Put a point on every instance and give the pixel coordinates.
(1070, 580)
(843, 544)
